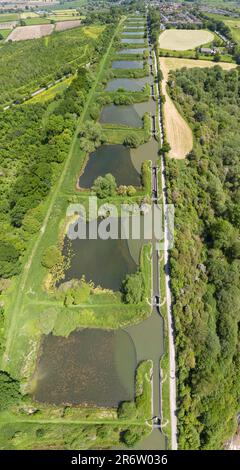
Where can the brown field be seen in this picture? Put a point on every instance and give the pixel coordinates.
(30, 32)
(179, 134)
(62, 25)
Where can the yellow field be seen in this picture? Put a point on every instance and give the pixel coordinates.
(183, 39)
(29, 14)
(51, 93)
(93, 31)
(179, 134)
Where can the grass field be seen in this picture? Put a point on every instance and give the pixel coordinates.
(234, 25)
(9, 17)
(5, 32)
(184, 39)
(179, 134)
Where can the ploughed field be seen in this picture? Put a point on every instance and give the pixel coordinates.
(23, 33)
(184, 39)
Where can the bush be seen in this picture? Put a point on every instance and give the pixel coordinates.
(105, 186)
(133, 435)
(133, 288)
(51, 257)
(9, 391)
(127, 410)
(132, 141)
(9, 259)
(78, 294)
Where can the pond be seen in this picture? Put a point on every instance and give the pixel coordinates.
(90, 366)
(105, 262)
(132, 41)
(127, 115)
(136, 29)
(139, 50)
(147, 151)
(129, 84)
(127, 64)
(133, 33)
(114, 159)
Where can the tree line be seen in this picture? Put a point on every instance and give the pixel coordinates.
(205, 265)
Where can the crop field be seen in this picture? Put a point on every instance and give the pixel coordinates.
(184, 39)
(23, 33)
(63, 25)
(179, 134)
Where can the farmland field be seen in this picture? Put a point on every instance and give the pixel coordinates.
(178, 131)
(9, 17)
(63, 25)
(30, 32)
(182, 40)
(28, 14)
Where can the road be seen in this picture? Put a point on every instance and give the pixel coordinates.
(171, 336)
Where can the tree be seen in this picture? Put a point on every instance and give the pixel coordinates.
(9, 259)
(222, 233)
(105, 186)
(9, 391)
(127, 410)
(133, 288)
(132, 141)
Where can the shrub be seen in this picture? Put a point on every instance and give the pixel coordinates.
(132, 141)
(105, 186)
(9, 259)
(127, 410)
(51, 257)
(9, 391)
(133, 288)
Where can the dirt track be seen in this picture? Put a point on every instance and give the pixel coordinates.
(179, 134)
